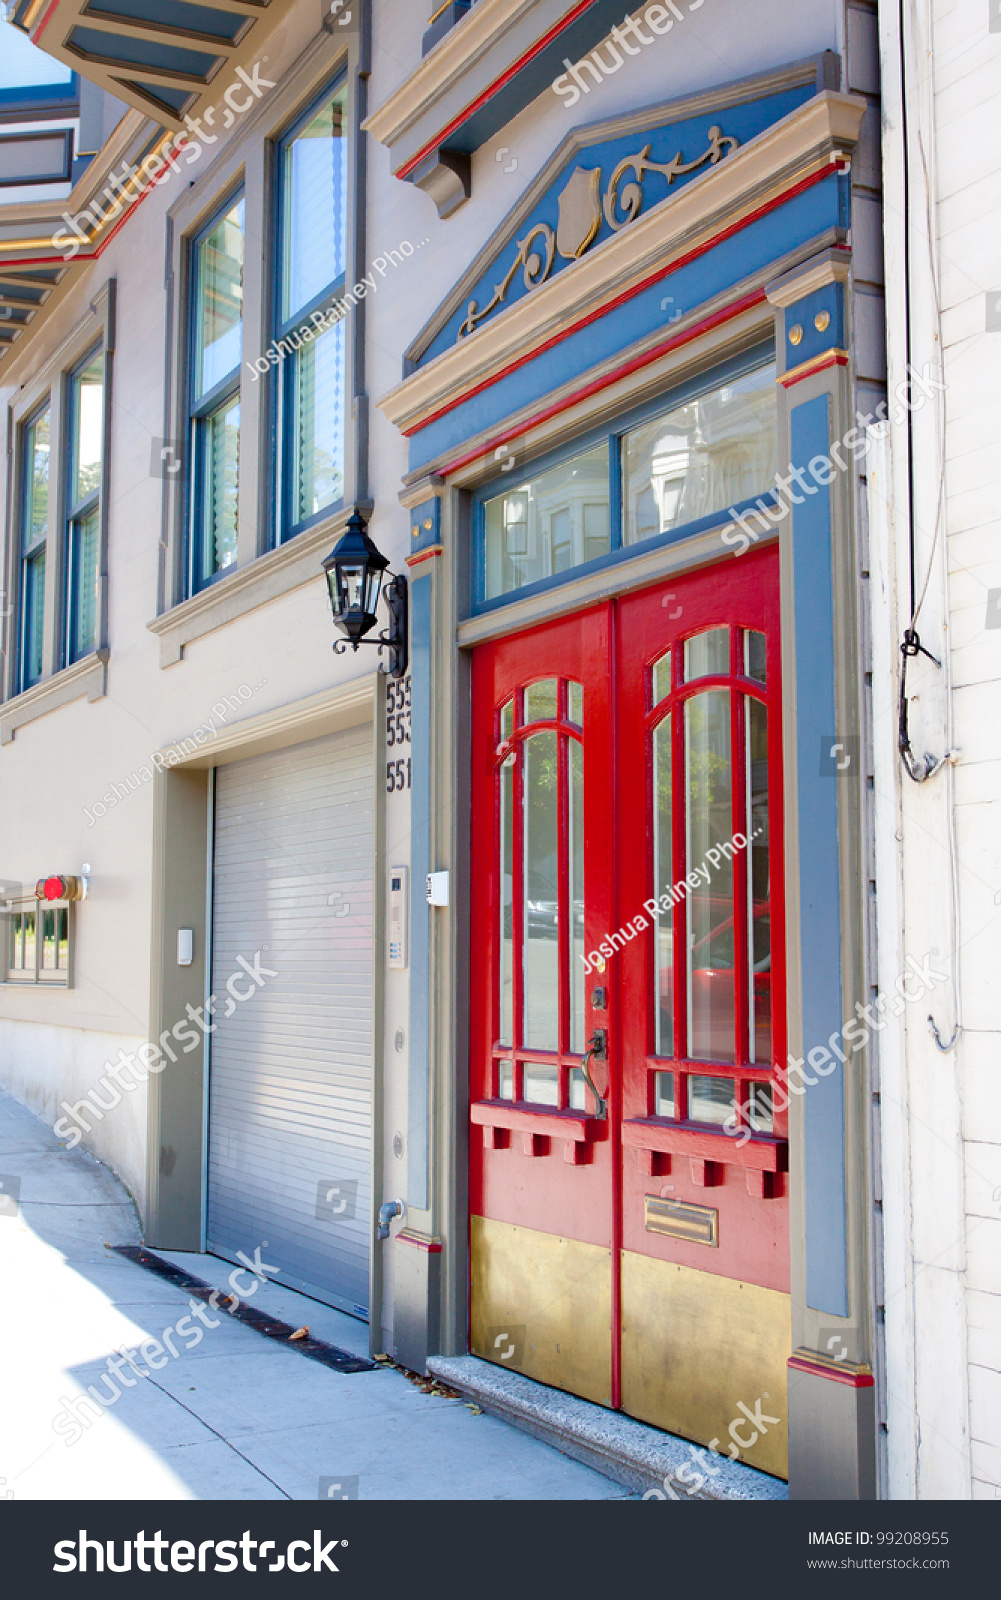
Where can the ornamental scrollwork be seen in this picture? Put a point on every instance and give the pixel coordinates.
(631, 198)
(536, 271)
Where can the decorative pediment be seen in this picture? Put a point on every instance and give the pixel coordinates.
(601, 178)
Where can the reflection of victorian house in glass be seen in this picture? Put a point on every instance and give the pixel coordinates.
(548, 525)
(715, 451)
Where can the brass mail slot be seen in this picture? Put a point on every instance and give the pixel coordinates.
(696, 1224)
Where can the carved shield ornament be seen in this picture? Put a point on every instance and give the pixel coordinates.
(580, 212)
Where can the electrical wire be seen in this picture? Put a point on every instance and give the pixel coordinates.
(920, 769)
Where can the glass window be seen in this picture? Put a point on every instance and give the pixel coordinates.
(663, 863)
(700, 458)
(663, 1094)
(35, 459)
(709, 824)
(215, 428)
(548, 524)
(219, 299)
(710, 1099)
(83, 526)
(762, 1120)
(759, 909)
(755, 656)
(540, 972)
(707, 655)
(38, 944)
(313, 189)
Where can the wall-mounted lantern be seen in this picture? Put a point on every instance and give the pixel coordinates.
(355, 569)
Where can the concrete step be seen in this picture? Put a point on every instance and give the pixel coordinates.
(642, 1458)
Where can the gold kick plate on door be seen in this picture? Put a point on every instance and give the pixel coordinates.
(677, 1219)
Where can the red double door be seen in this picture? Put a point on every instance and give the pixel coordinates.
(628, 1188)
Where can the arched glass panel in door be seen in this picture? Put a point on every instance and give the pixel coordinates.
(710, 864)
(539, 765)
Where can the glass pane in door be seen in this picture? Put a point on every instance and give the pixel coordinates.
(760, 939)
(663, 858)
(541, 894)
(709, 824)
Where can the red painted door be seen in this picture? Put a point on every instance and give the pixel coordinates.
(629, 1207)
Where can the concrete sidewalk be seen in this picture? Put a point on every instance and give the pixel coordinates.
(235, 1417)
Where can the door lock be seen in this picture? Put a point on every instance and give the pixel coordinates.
(597, 1048)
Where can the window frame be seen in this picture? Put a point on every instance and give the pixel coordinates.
(264, 569)
(200, 411)
(73, 515)
(24, 978)
(283, 389)
(60, 681)
(28, 554)
(761, 354)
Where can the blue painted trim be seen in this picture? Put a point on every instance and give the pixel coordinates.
(819, 887)
(420, 912)
(804, 313)
(689, 137)
(131, 51)
(421, 536)
(704, 383)
(808, 216)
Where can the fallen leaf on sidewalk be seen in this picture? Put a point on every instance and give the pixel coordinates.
(300, 1333)
(477, 1411)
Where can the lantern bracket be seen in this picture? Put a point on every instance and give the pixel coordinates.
(394, 640)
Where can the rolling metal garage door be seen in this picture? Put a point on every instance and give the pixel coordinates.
(290, 1081)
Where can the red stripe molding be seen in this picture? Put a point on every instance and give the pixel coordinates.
(491, 89)
(817, 1369)
(830, 358)
(593, 316)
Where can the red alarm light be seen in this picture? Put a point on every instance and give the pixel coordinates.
(59, 888)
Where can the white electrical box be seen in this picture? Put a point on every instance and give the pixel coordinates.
(437, 888)
(397, 917)
(185, 946)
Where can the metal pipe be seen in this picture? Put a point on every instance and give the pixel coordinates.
(387, 1211)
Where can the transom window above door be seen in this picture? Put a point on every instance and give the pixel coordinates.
(667, 472)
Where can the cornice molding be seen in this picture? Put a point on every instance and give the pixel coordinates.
(798, 147)
(269, 577)
(583, 139)
(479, 32)
(88, 677)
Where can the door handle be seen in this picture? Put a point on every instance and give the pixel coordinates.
(597, 1049)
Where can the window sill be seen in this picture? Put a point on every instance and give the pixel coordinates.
(267, 578)
(537, 1126)
(88, 676)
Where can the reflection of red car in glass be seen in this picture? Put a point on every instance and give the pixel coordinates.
(712, 1001)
